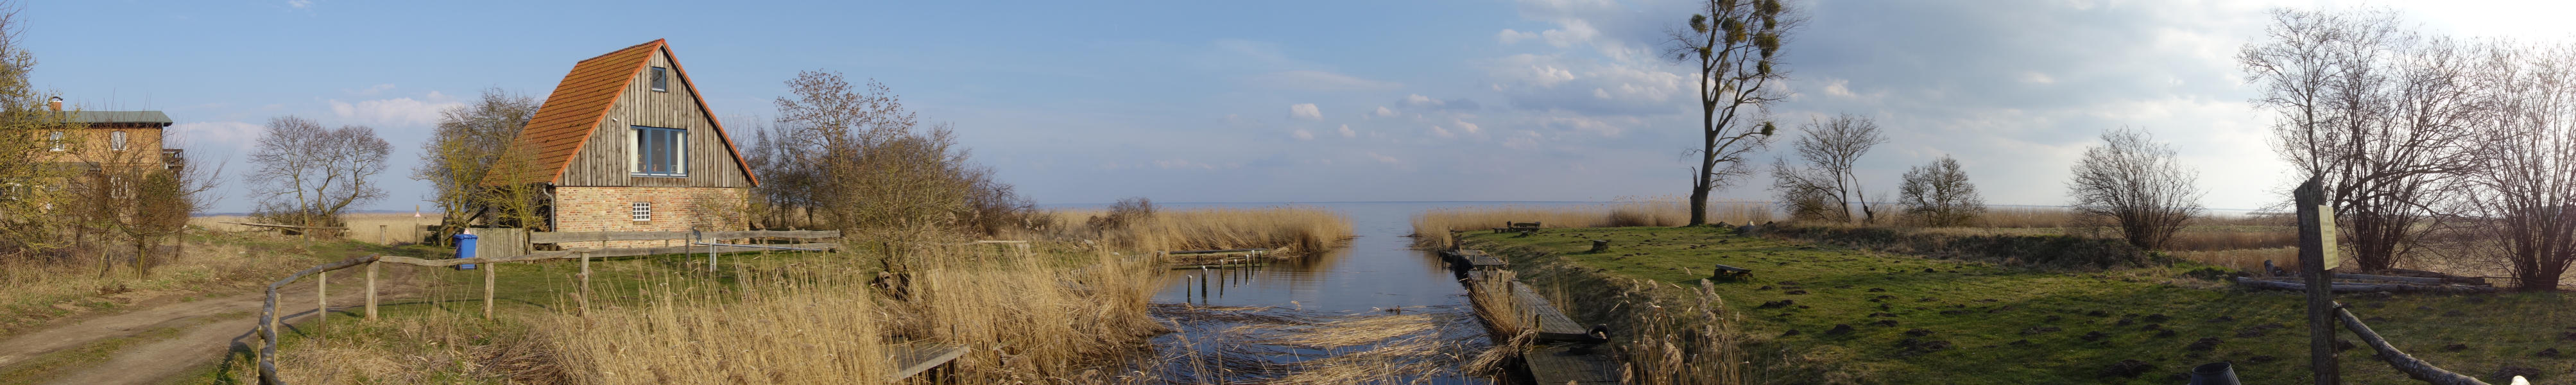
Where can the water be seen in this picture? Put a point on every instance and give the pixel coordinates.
(1233, 326)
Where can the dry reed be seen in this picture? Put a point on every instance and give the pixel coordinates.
(781, 331)
(1299, 229)
(1432, 228)
(381, 228)
(1026, 320)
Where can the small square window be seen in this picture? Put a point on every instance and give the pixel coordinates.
(661, 80)
(643, 211)
(55, 140)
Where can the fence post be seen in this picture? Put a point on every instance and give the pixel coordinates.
(371, 290)
(2319, 266)
(585, 284)
(488, 276)
(321, 300)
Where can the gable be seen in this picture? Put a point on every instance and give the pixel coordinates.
(577, 136)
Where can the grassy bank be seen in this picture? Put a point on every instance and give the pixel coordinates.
(210, 263)
(1830, 314)
(1431, 228)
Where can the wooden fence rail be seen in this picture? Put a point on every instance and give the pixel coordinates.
(2416, 368)
(268, 317)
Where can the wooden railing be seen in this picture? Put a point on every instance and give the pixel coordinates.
(268, 319)
(2413, 367)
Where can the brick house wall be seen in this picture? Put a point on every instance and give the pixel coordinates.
(590, 209)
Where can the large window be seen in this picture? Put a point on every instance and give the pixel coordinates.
(661, 80)
(660, 152)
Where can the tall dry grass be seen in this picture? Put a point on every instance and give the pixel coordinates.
(819, 329)
(379, 228)
(33, 291)
(1432, 228)
(1298, 229)
(1025, 320)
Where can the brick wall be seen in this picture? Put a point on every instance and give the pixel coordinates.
(142, 145)
(588, 209)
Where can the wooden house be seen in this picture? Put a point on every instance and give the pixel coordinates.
(624, 143)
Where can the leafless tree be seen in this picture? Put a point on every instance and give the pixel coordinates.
(1939, 194)
(29, 220)
(2520, 199)
(307, 175)
(1830, 148)
(854, 158)
(470, 144)
(2135, 182)
(2374, 110)
(1735, 46)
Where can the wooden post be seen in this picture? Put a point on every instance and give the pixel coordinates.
(488, 276)
(2318, 266)
(382, 232)
(585, 284)
(371, 290)
(321, 300)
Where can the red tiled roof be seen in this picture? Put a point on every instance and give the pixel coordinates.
(574, 111)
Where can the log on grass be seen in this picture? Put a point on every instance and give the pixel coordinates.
(2416, 368)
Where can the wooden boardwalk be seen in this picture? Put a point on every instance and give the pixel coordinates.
(1553, 325)
(1472, 260)
(912, 360)
(1571, 364)
(1566, 352)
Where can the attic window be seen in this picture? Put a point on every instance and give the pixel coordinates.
(659, 152)
(661, 80)
(116, 141)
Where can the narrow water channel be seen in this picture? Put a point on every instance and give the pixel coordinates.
(1376, 311)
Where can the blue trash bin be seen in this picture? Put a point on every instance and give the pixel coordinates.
(465, 249)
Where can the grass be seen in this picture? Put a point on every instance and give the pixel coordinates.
(33, 293)
(1919, 320)
(377, 228)
(1432, 228)
(1298, 229)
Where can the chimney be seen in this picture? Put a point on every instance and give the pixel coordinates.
(56, 105)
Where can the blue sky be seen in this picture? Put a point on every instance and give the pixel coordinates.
(1079, 102)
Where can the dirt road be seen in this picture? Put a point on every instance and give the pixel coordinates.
(155, 343)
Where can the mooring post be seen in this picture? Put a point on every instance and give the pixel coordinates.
(488, 276)
(371, 290)
(2316, 256)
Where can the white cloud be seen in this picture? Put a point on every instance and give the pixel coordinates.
(1526, 140)
(1302, 134)
(1305, 111)
(1442, 132)
(299, 3)
(2034, 77)
(1311, 80)
(1383, 112)
(1471, 128)
(396, 112)
(1346, 129)
(1383, 158)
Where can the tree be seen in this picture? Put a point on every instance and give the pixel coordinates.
(29, 220)
(2374, 111)
(854, 158)
(1736, 47)
(2135, 182)
(2521, 196)
(465, 151)
(307, 175)
(1830, 148)
(1939, 194)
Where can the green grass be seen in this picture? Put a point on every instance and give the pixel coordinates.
(1992, 316)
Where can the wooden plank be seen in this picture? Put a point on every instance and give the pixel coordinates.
(561, 237)
(1571, 364)
(911, 360)
(571, 254)
(1552, 324)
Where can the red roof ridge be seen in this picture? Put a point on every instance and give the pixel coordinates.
(582, 101)
(654, 42)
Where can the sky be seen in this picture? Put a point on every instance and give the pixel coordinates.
(1220, 101)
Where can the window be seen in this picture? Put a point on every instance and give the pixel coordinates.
(55, 139)
(116, 141)
(661, 80)
(660, 152)
(643, 211)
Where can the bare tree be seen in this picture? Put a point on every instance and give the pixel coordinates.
(1831, 148)
(29, 222)
(469, 146)
(1736, 47)
(307, 175)
(2373, 110)
(2521, 197)
(2136, 183)
(856, 159)
(1939, 194)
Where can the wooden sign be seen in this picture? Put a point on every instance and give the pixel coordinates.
(2326, 236)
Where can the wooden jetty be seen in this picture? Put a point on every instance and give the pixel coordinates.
(1565, 352)
(1229, 258)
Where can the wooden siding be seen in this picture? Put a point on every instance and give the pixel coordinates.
(603, 160)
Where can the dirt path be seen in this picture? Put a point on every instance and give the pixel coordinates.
(155, 343)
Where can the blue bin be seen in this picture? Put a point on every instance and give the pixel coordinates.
(465, 249)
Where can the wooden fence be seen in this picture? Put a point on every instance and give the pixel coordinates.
(504, 245)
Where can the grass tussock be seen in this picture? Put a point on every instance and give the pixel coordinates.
(1432, 228)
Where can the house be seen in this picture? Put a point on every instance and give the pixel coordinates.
(624, 143)
(110, 139)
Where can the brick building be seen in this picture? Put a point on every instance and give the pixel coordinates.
(625, 144)
(109, 139)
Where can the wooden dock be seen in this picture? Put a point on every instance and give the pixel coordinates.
(1471, 259)
(912, 360)
(1566, 352)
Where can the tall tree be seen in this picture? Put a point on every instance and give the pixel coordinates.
(308, 175)
(1831, 148)
(470, 144)
(1735, 46)
(1939, 194)
(2372, 109)
(2138, 185)
(2521, 199)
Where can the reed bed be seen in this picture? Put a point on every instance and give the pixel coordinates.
(780, 331)
(1432, 228)
(1280, 346)
(1026, 320)
(1670, 339)
(1298, 229)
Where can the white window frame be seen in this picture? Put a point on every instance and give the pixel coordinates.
(637, 157)
(640, 211)
(55, 140)
(116, 140)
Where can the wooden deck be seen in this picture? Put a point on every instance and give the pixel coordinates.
(1553, 325)
(912, 360)
(1472, 260)
(1566, 351)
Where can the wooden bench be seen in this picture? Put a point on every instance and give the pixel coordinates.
(1518, 227)
(1725, 272)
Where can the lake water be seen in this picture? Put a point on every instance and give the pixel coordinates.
(1261, 324)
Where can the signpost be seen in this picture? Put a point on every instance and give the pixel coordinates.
(2317, 255)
